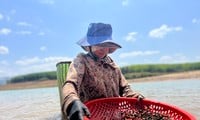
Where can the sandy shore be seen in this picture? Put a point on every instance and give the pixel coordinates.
(172, 76)
(53, 83)
(29, 85)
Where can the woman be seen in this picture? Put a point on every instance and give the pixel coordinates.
(94, 74)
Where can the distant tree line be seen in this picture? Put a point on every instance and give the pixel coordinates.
(144, 70)
(130, 72)
(34, 77)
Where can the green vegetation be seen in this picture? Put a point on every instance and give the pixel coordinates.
(34, 77)
(130, 72)
(138, 71)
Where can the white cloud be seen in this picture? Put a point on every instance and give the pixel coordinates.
(25, 24)
(37, 60)
(123, 63)
(43, 48)
(56, 59)
(5, 72)
(3, 50)
(4, 62)
(23, 32)
(1, 73)
(35, 64)
(131, 36)
(30, 65)
(196, 21)
(197, 58)
(40, 68)
(163, 31)
(166, 59)
(41, 33)
(5, 31)
(178, 58)
(138, 53)
(125, 2)
(1, 16)
(50, 2)
(28, 61)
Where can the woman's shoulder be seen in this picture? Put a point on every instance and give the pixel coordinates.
(80, 57)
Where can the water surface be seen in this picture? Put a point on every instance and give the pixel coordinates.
(44, 103)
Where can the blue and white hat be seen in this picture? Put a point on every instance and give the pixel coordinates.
(98, 34)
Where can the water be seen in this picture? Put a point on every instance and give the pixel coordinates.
(31, 104)
(44, 103)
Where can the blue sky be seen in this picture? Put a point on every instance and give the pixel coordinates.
(37, 34)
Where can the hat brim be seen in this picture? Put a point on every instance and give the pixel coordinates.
(104, 41)
(91, 41)
(112, 46)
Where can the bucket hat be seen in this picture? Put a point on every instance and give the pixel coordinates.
(98, 34)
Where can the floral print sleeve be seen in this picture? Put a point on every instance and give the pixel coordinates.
(74, 77)
(125, 89)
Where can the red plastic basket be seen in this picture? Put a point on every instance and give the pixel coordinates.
(131, 109)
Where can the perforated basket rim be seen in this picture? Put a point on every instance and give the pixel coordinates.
(154, 102)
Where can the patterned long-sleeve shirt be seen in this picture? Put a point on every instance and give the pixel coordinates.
(88, 79)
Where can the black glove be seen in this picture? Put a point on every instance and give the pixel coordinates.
(77, 110)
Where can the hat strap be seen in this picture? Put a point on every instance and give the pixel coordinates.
(93, 57)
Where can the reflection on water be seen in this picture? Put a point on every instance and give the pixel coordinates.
(44, 103)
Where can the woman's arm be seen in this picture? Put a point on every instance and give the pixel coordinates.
(73, 81)
(125, 89)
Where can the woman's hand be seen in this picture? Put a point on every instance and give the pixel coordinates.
(77, 110)
(137, 95)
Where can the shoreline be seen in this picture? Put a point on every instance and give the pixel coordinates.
(171, 76)
(29, 85)
(53, 83)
